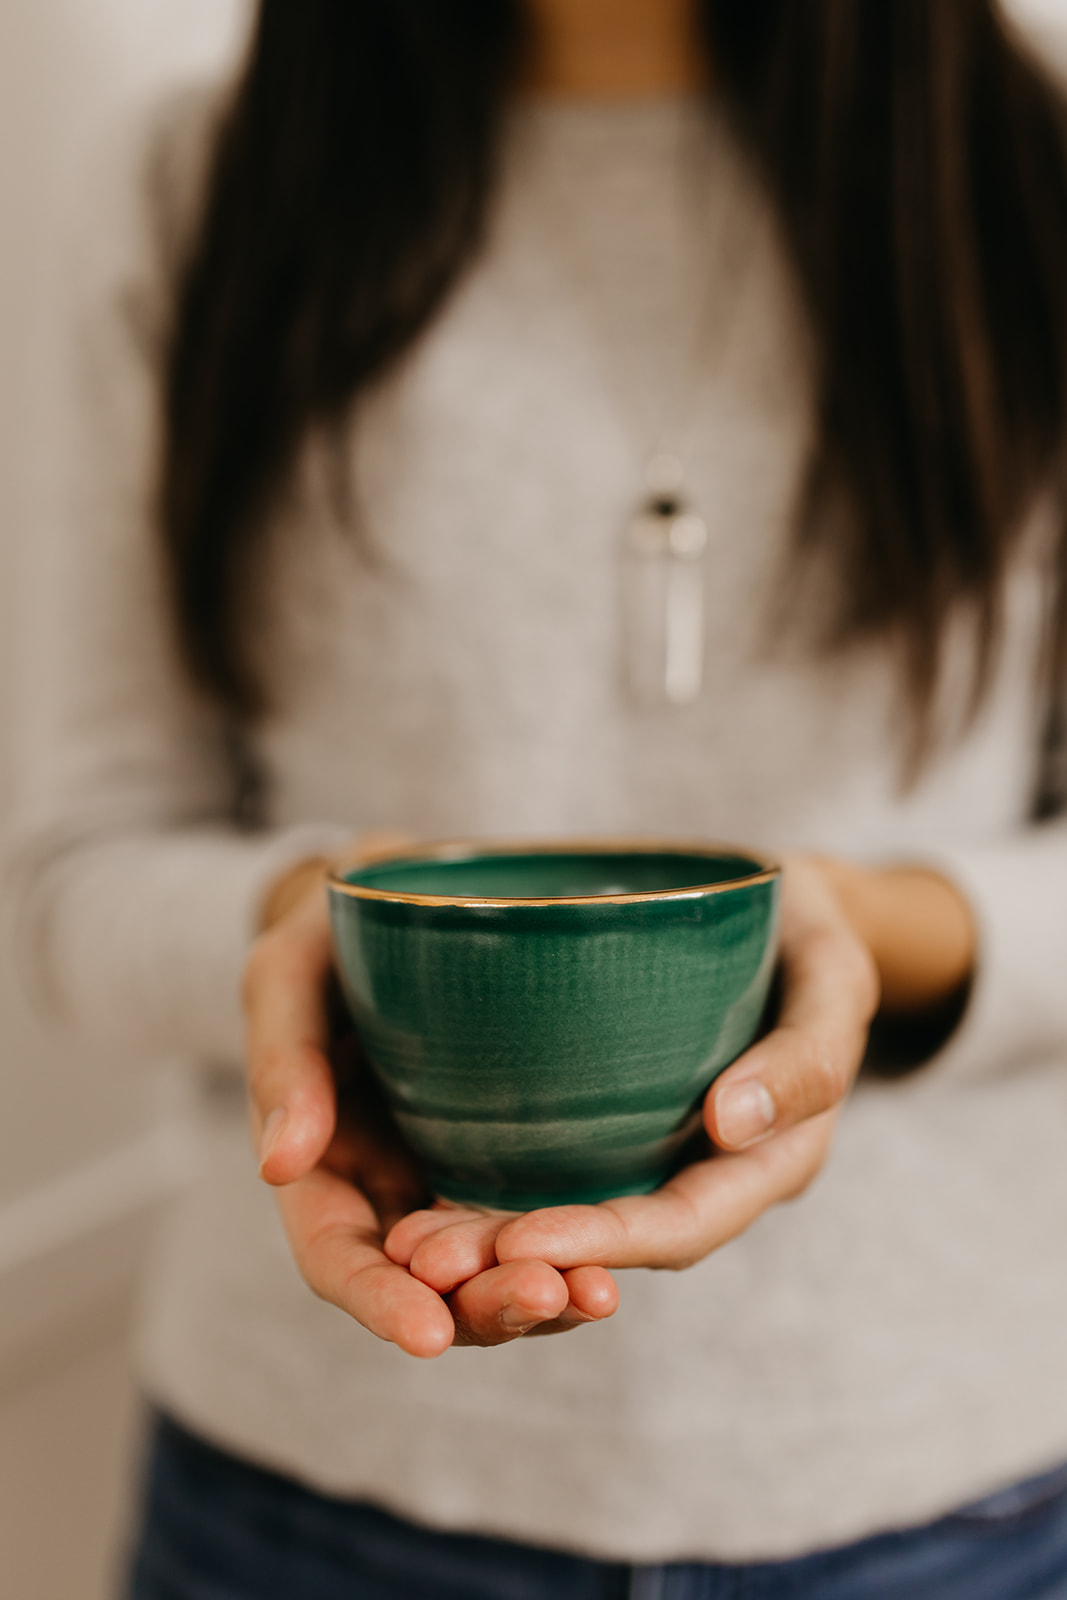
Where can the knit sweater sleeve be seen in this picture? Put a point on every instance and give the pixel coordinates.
(1017, 1010)
(137, 892)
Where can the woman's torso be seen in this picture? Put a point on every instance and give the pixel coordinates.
(453, 664)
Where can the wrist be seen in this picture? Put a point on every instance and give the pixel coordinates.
(919, 929)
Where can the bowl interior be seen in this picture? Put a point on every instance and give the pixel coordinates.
(545, 874)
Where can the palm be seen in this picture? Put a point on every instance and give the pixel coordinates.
(368, 1182)
(429, 1275)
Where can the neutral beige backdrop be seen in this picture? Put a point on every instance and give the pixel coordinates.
(89, 1150)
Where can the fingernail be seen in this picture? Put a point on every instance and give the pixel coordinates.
(272, 1130)
(743, 1113)
(516, 1319)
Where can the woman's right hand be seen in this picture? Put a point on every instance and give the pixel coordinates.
(344, 1177)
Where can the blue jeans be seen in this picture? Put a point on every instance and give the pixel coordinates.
(220, 1529)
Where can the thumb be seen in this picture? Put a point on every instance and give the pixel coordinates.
(292, 1096)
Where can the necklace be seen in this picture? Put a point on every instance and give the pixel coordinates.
(663, 590)
(665, 541)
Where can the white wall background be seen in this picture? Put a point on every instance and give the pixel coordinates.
(85, 1155)
(70, 73)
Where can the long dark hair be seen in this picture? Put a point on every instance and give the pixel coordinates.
(916, 158)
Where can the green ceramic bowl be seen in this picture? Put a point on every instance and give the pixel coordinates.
(546, 1018)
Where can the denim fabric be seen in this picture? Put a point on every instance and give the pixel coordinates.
(215, 1528)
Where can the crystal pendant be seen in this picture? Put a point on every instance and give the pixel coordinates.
(663, 591)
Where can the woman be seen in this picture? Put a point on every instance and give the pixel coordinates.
(446, 297)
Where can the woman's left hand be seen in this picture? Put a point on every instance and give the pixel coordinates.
(771, 1116)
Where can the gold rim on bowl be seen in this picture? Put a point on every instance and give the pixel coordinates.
(767, 868)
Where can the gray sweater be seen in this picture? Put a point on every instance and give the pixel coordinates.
(871, 1355)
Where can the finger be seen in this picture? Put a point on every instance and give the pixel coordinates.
(456, 1252)
(336, 1241)
(411, 1231)
(594, 1294)
(829, 994)
(590, 1288)
(291, 1086)
(587, 1286)
(566, 1323)
(701, 1208)
(447, 1253)
(506, 1302)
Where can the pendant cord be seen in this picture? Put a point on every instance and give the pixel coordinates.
(707, 177)
(691, 290)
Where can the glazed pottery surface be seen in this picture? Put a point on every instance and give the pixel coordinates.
(545, 1019)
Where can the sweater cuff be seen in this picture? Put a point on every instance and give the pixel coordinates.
(232, 910)
(1017, 1007)
(150, 937)
(281, 850)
